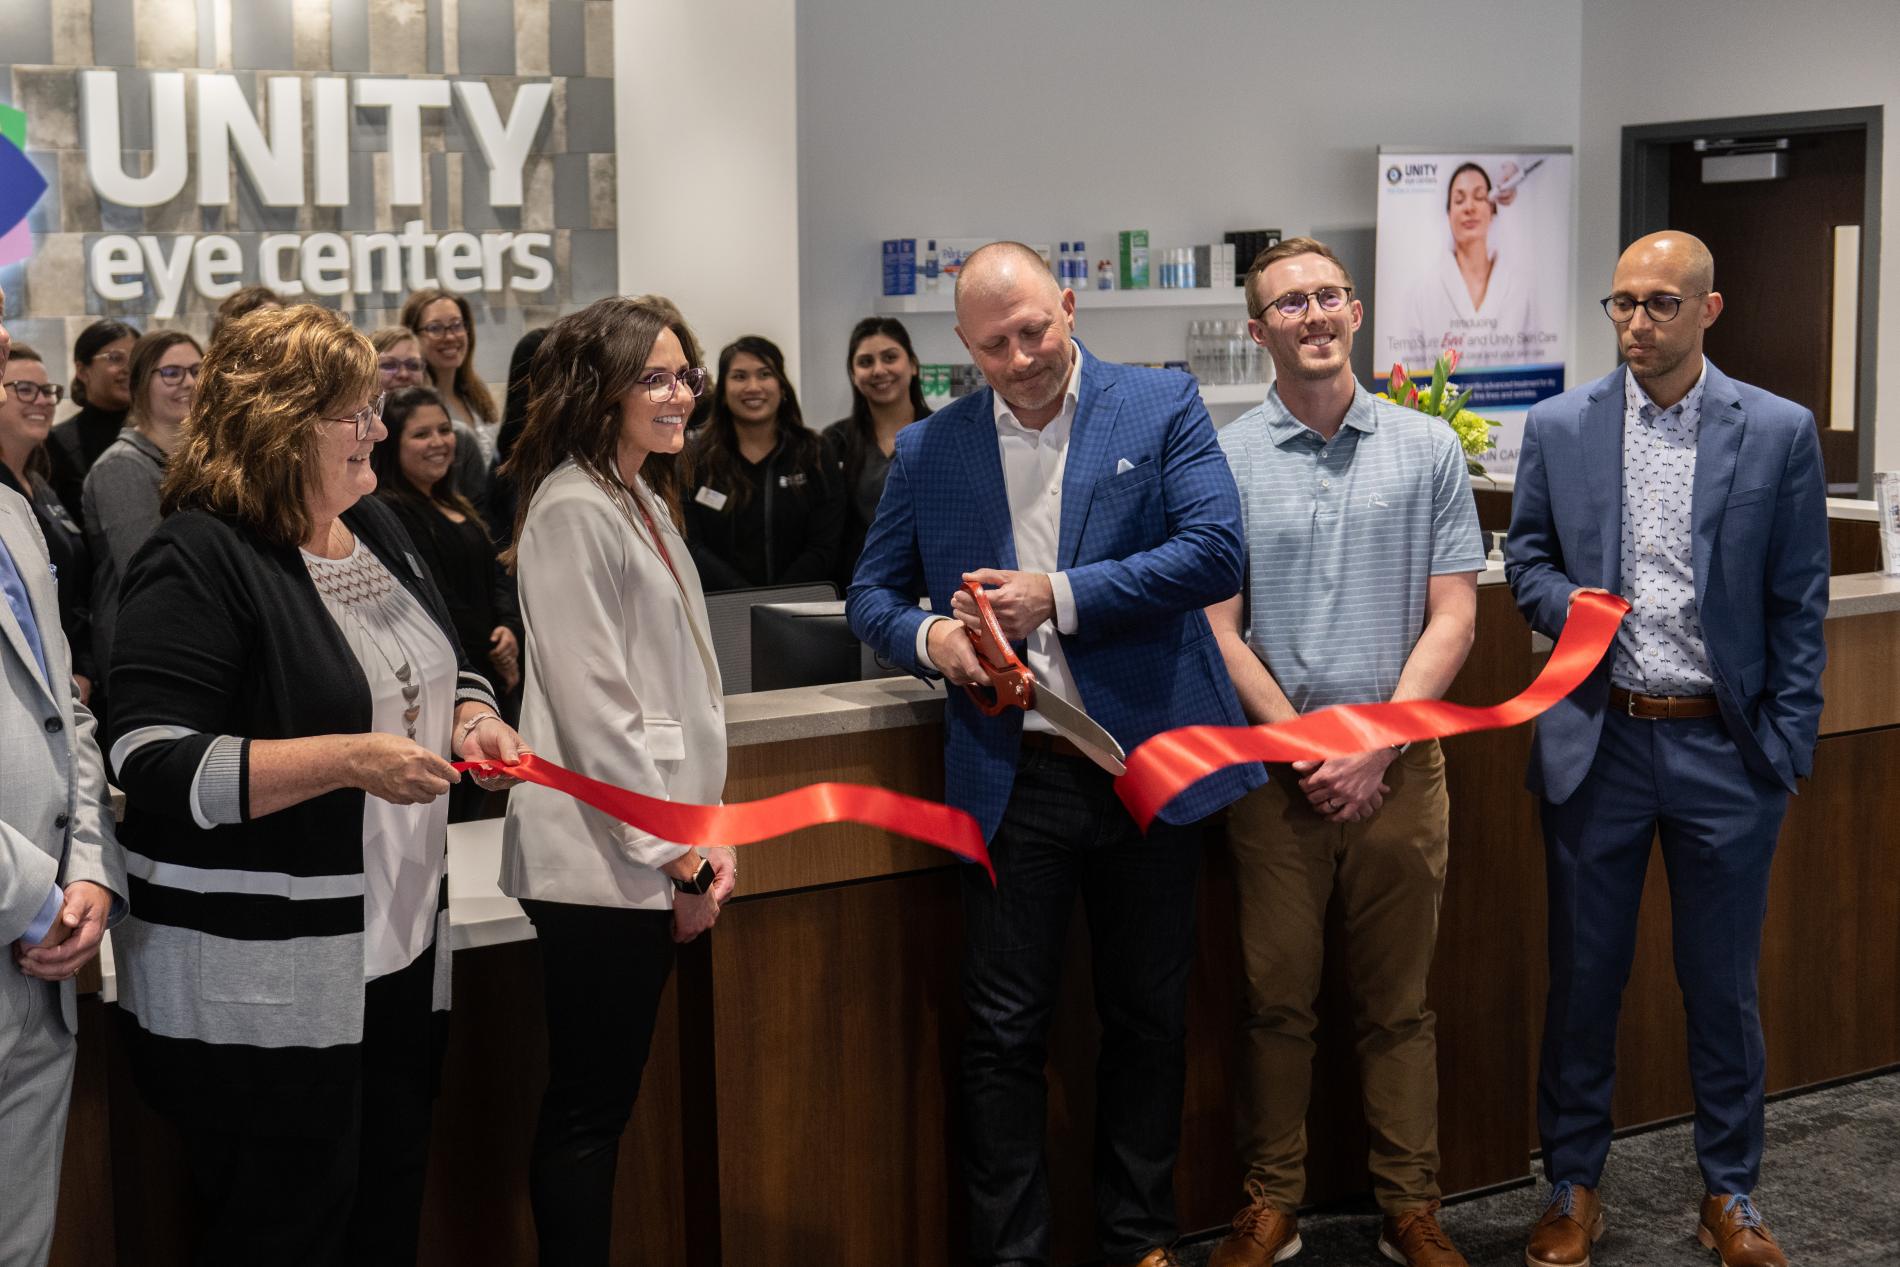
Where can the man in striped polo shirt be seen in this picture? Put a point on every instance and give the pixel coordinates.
(1363, 553)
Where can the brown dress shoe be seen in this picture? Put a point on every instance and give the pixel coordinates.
(1415, 1239)
(1572, 1223)
(1163, 1257)
(1732, 1227)
(1263, 1234)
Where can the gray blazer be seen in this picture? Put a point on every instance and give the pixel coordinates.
(55, 819)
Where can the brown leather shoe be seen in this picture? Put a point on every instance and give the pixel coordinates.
(1415, 1239)
(1732, 1227)
(1162, 1257)
(1263, 1234)
(1571, 1224)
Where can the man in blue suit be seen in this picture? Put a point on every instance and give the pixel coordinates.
(1094, 505)
(1701, 500)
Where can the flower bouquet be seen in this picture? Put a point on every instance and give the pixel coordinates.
(1442, 399)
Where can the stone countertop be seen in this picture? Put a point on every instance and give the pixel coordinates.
(1863, 594)
(1837, 507)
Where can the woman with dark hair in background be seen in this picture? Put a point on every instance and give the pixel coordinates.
(27, 401)
(102, 388)
(622, 686)
(446, 325)
(514, 416)
(399, 361)
(414, 475)
(763, 507)
(121, 497)
(886, 397)
(240, 302)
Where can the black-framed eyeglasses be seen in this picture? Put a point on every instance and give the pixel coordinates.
(1622, 308)
(175, 374)
(442, 329)
(397, 364)
(365, 418)
(1329, 298)
(662, 385)
(28, 392)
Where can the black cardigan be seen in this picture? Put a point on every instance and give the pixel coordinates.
(235, 640)
(778, 524)
(461, 560)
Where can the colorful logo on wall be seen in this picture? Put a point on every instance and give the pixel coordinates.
(20, 187)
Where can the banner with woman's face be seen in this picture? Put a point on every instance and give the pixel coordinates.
(1474, 252)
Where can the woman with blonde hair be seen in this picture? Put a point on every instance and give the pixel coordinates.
(621, 685)
(284, 725)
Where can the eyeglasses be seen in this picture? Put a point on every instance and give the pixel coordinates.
(396, 365)
(114, 358)
(26, 392)
(1621, 308)
(662, 385)
(365, 418)
(442, 329)
(175, 374)
(1329, 299)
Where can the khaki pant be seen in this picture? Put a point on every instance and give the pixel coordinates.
(1390, 873)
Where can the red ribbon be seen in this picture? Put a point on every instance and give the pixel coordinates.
(1168, 764)
(1158, 771)
(750, 822)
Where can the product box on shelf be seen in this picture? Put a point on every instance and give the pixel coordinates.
(900, 266)
(1247, 244)
(1134, 259)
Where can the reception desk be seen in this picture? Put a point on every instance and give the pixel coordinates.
(797, 1105)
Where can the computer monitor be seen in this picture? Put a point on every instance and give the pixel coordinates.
(730, 614)
(804, 644)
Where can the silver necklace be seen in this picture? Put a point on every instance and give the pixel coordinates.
(411, 690)
(353, 585)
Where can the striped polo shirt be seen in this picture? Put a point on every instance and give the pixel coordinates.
(1343, 536)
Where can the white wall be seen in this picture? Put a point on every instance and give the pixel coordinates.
(1052, 121)
(706, 119)
(1702, 59)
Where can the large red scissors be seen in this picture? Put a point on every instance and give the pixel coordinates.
(1013, 685)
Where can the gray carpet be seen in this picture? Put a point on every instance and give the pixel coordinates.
(1830, 1192)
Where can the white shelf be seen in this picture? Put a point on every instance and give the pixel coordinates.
(1097, 300)
(1237, 394)
(1234, 394)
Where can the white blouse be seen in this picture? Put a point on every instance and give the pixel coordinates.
(404, 846)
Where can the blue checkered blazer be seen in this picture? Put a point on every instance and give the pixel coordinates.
(1144, 550)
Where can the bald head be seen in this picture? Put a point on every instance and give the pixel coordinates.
(1672, 253)
(1004, 270)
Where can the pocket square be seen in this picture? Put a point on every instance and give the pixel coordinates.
(1123, 465)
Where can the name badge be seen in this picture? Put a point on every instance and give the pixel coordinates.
(794, 480)
(710, 497)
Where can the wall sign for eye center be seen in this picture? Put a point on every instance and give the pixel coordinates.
(390, 262)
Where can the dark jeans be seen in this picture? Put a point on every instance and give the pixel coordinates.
(604, 968)
(351, 1196)
(1063, 833)
(1718, 821)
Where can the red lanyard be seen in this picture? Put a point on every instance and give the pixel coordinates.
(659, 542)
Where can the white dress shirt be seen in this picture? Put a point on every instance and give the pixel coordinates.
(1033, 463)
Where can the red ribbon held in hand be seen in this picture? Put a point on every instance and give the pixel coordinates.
(748, 823)
(1168, 764)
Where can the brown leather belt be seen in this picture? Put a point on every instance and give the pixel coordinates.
(1050, 742)
(1662, 707)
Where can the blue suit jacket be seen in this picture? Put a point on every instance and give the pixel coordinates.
(1144, 550)
(1759, 553)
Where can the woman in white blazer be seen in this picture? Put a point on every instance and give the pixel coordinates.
(621, 685)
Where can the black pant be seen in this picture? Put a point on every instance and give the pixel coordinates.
(604, 969)
(1065, 832)
(349, 1192)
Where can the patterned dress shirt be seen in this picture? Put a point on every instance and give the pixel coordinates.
(1660, 649)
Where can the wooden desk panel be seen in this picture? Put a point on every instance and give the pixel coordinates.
(1861, 685)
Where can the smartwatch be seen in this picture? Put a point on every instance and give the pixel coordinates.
(701, 882)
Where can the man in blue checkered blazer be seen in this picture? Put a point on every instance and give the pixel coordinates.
(1094, 505)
